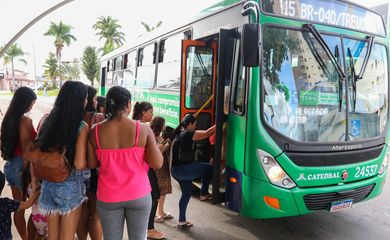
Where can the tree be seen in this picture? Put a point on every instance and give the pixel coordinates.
(70, 70)
(90, 63)
(108, 29)
(51, 68)
(14, 52)
(62, 35)
(149, 28)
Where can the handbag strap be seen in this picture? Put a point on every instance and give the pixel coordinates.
(41, 122)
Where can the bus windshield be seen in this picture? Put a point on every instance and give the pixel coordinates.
(304, 98)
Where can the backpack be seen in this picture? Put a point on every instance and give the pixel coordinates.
(178, 155)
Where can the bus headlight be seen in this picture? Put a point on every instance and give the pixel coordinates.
(274, 172)
(384, 165)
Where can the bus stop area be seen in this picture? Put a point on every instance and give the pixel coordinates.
(370, 220)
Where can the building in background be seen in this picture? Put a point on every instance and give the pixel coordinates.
(21, 79)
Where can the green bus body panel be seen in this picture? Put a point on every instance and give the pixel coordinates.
(257, 136)
(165, 104)
(236, 142)
(291, 201)
(330, 175)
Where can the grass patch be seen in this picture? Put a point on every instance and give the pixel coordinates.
(6, 93)
(50, 93)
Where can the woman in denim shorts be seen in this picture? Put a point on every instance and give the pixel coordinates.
(64, 128)
(17, 131)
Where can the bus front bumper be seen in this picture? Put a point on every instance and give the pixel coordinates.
(300, 201)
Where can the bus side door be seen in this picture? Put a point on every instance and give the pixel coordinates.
(198, 76)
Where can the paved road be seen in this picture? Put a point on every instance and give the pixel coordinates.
(369, 220)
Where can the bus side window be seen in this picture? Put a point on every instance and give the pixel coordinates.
(168, 76)
(239, 94)
(146, 67)
(129, 69)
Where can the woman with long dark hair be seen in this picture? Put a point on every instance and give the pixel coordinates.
(122, 149)
(143, 111)
(17, 131)
(163, 174)
(64, 129)
(184, 168)
(89, 221)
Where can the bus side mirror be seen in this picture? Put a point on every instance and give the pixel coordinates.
(250, 38)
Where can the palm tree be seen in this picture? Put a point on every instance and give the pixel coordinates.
(14, 52)
(108, 29)
(149, 28)
(51, 68)
(70, 70)
(90, 63)
(62, 35)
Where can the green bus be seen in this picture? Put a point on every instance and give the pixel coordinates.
(298, 90)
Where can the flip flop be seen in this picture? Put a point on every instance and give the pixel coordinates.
(185, 224)
(156, 236)
(159, 219)
(167, 216)
(205, 197)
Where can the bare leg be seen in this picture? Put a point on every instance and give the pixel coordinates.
(95, 227)
(53, 225)
(19, 220)
(69, 224)
(160, 208)
(82, 226)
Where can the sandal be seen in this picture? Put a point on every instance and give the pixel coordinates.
(167, 216)
(159, 219)
(185, 224)
(205, 197)
(155, 234)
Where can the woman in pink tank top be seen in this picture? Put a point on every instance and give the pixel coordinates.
(122, 149)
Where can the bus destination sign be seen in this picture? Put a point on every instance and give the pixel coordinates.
(337, 13)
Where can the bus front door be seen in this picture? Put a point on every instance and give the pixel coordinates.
(198, 81)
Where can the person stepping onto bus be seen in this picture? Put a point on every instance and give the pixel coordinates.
(143, 111)
(184, 167)
(122, 149)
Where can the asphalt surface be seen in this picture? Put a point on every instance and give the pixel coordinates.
(366, 220)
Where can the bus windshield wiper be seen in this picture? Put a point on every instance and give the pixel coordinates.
(353, 78)
(311, 28)
(370, 41)
(337, 56)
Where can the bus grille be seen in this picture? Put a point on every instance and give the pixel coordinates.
(324, 200)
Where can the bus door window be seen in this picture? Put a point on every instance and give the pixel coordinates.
(199, 76)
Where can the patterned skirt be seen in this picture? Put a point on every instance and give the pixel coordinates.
(164, 176)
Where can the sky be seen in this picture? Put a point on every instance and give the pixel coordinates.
(81, 15)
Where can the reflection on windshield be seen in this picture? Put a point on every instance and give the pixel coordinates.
(302, 101)
(370, 116)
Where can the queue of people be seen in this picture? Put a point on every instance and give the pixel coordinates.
(120, 168)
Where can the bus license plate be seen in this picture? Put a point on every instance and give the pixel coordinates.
(341, 205)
